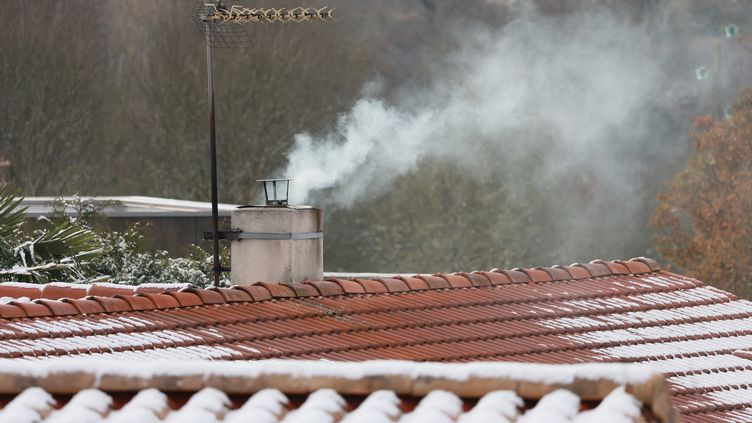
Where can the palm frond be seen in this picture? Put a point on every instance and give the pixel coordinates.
(61, 242)
(11, 215)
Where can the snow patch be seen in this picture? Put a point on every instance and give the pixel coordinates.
(204, 406)
(171, 365)
(89, 405)
(497, 406)
(31, 405)
(559, 406)
(322, 406)
(170, 286)
(148, 406)
(438, 406)
(8, 300)
(617, 407)
(22, 285)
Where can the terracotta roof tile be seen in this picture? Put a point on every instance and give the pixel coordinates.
(349, 287)
(15, 290)
(276, 290)
(325, 288)
(394, 285)
(624, 312)
(415, 284)
(9, 311)
(455, 280)
(149, 290)
(476, 278)
(111, 304)
(373, 286)
(302, 289)
(514, 275)
(57, 291)
(434, 282)
(536, 275)
(654, 266)
(232, 295)
(614, 268)
(207, 296)
(496, 278)
(58, 308)
(635, 267)
(574, 271)
(257, 292)
(32, 309)
(137, 302)
(161, 300)
(277, 391)
(109, 290)
(185, 299)
(556, 274)
(594, 269)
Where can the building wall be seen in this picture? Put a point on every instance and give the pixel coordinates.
(173, 234)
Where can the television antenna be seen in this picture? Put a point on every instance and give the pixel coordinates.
(223, 26)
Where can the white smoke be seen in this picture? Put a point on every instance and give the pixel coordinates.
(563, 85)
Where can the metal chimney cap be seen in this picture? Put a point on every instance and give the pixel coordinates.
(276, 191)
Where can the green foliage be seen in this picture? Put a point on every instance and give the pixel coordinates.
(53, 251)
(11, 217)
(67, 249)
(128, 262)
(81, 211)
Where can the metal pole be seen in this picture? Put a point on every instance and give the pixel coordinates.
(715, 86)
(213, 149)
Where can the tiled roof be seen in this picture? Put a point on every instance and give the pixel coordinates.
(603, 311)
(295, 391)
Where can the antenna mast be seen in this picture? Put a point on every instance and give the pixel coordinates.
(222, 26)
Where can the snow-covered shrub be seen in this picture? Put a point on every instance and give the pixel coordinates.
(128, 262)
(66, 248)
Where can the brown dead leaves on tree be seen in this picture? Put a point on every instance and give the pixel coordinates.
(703, 222)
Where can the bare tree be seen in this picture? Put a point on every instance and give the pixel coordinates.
(49, 81)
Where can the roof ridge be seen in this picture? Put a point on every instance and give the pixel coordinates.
(59, 299)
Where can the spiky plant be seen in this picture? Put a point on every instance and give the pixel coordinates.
(54, 251)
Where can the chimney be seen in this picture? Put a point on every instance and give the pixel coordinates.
(276, 242)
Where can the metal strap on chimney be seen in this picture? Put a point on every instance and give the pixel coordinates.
(277, 235)
(235, 235)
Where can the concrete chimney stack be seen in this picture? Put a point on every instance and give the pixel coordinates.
(277, 243)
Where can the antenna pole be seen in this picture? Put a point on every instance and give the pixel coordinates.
(222, 28)
(213, 148)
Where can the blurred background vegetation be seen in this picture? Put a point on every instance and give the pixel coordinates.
(108, 98)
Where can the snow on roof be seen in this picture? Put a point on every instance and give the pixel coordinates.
(325, 405)
(538, 373)
(604, 311)
(376, 391)
(130, 206)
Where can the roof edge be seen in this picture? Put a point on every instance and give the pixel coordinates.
(61, 299)
(469, 380)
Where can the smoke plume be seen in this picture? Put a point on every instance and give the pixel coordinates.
(531, 103)
(571, 83)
